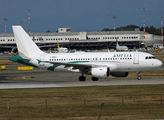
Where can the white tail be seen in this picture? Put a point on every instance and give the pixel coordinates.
(24, 43)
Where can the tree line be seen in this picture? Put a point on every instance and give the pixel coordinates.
(151, 30)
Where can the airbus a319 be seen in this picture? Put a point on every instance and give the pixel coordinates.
(96, 64)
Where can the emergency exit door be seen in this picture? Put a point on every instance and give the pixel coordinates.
(136, 59)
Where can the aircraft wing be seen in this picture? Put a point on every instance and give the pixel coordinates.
(75, 65)
(80, 66)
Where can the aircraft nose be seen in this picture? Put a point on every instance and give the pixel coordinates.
(159, 63)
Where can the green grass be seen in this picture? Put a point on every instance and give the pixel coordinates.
(120, 102)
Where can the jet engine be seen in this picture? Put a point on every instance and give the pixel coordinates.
(119, 74)
(14, 50)
(100, 72)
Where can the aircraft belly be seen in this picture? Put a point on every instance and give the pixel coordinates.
(129, 67)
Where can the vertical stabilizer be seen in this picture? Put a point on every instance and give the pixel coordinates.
(24, 43)
(58, 46)
(117, 43)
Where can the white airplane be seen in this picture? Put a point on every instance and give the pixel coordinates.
(61, 49)
(121, 48)
(98, 64)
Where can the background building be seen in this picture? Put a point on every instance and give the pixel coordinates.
(84, 40)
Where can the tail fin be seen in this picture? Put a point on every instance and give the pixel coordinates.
(24, 43)
(117, 43)
(58, 46)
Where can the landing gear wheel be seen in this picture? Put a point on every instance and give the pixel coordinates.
(82, 78)
(139, 77)
(95, 79)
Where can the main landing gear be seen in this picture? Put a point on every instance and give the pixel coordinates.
(95, 79)
(83, 78)
(139, 77)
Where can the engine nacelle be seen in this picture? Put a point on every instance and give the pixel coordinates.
(119, 74)
(100, 72)
(14, 50)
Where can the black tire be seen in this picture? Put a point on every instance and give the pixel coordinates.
(82, 78)
(95, 79)
(139, 78)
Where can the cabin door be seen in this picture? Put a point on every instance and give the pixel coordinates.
(136, 59)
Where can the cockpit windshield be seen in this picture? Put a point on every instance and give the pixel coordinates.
(150, 57)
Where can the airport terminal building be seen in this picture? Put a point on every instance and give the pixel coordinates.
(85, 40)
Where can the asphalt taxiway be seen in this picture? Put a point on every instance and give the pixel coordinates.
(42, 79)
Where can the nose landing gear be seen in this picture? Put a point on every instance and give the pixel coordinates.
(139, 76)
(82, 77)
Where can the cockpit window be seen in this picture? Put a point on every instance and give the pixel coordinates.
(149, 57)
